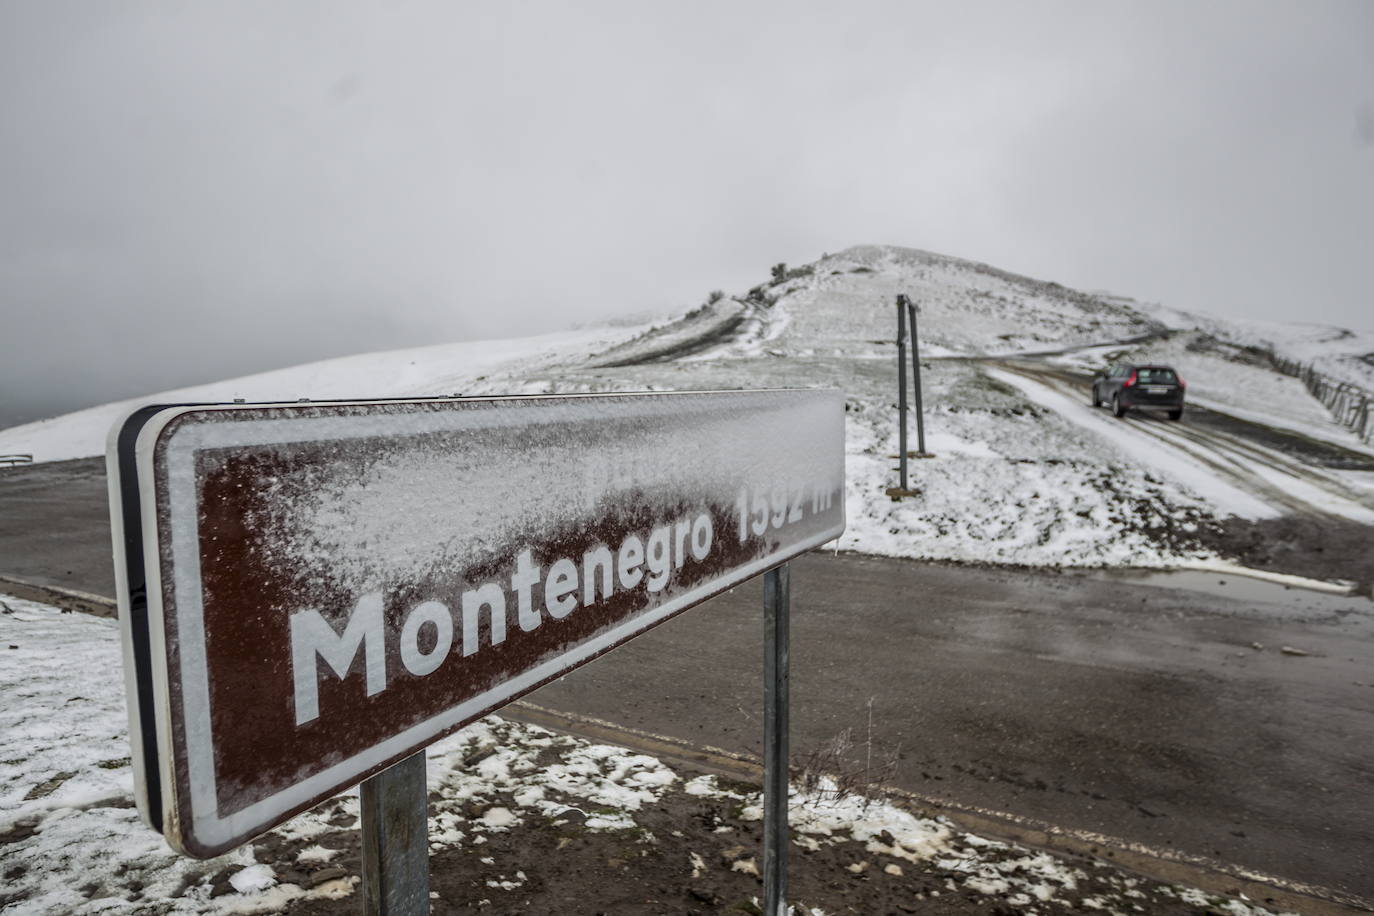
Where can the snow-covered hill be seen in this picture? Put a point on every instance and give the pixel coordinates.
(1018, 476)
(842, 306)
(1338, 352)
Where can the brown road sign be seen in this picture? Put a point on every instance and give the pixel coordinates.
(311, 592)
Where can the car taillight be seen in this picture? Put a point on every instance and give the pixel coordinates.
(1129, 382)
(1181, 382)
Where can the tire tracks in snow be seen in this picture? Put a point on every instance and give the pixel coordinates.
(1266, 463)
(1288, 484)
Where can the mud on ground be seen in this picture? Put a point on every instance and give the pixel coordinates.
(1318, 548)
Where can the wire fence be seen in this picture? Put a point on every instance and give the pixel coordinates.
(1349, 404)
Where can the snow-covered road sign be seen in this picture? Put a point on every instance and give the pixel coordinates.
(310, 592)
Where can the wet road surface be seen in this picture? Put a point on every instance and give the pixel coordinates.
(1098, 704)
(1095, 704)
(55, 525)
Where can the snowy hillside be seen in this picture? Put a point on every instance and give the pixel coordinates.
(841, 306)
(1023, 470)
(1339, 352)
(1225, 376)
(443, 369)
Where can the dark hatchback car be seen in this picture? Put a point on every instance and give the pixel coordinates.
(1126, 386)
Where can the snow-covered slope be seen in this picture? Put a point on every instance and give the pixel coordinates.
(1016, 475)
(842, 306)
(424, 371)
(1239, 380)
(1338, 352)
(1012, 478)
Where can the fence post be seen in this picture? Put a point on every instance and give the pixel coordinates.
(1348, 403)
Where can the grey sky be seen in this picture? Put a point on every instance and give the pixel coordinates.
(193, 191)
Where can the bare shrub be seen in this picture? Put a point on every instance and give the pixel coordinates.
(840, 769)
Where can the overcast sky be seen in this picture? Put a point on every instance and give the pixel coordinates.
(196, 191)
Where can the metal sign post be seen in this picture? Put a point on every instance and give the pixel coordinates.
(916, 375)
(901, 390)
(395, 840)
(776, 839)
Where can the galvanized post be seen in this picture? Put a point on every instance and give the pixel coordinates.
(776, 597)
(901, 391)
(916, 375)
(396, 840)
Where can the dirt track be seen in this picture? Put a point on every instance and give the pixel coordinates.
(1218, 430)
(1285, 469)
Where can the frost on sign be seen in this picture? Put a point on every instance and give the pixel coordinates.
(311, 592)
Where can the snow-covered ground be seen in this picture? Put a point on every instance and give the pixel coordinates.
(1227, 377)
(1017, 475)
(1132, 440)
(71, 840)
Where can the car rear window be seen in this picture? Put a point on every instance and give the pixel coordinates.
(1156, 376)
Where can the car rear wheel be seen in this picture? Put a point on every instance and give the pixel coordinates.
(1116, 406)
(1176, 414)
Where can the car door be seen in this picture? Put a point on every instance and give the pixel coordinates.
(1111, 384)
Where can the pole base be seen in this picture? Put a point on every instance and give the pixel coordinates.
(897, 493)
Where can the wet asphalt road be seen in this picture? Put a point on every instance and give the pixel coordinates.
(1135, 711)
(55, 525)
(1096, 704)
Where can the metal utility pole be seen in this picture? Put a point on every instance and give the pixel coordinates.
(916, 374)
(901, 389)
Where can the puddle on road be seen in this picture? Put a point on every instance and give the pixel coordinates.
(1241, 588)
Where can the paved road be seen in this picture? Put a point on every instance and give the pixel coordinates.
(1135, 711)
(55, 525)
(1096, 704)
